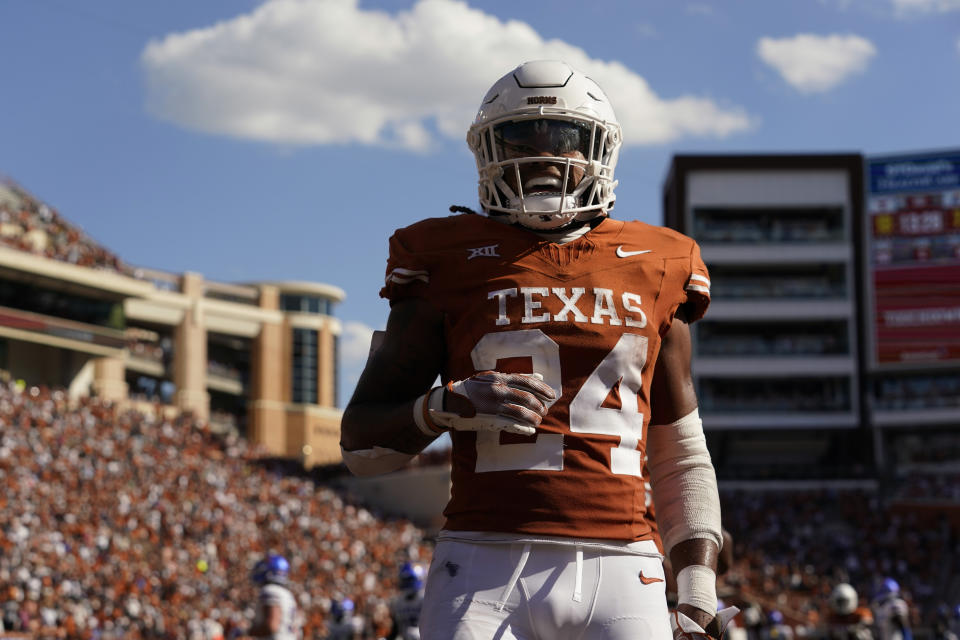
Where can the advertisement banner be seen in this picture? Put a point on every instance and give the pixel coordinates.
(913, 254)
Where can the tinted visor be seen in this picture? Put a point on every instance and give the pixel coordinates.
(531, 138)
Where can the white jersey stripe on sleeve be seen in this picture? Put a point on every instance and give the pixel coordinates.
(397, 280)
(700, 278)
(409, 272)
(399, 275)
(696, 287)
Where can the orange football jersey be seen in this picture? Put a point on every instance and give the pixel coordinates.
(588, 316)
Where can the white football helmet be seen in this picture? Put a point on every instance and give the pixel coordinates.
(844, 599)
(547, 113)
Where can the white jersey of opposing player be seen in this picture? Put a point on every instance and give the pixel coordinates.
(276, 595)
(405, 613)
(888, 616)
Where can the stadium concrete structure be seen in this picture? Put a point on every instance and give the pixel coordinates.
(257, 358)
(782, 360)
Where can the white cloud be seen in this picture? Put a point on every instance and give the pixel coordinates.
(315, 72)
(355, 343)
(354, 348)
(905, 7)
(813, 63)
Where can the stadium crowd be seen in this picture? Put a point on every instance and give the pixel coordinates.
(26, 224)
(118, 525)
(792, 548)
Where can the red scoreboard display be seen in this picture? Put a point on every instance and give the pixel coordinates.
(913, 255)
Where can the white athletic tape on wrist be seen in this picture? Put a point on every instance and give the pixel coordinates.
(697, 586)
(683, 481)
(422, 414)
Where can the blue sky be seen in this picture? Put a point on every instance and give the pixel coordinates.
(287, 139)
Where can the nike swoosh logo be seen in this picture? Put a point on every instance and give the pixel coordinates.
(626, 254)
(645, 580)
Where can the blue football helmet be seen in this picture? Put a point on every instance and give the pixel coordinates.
(339, 609)
(411, 577)
(273, 569)
(889, 587)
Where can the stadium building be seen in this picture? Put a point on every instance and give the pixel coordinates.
(911, 312)
(777, 359)
(258, 358)
(832, 345)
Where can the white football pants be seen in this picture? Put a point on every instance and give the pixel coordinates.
(517, 591)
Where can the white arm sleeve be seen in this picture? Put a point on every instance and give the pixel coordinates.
(373, 462)
(684, 482)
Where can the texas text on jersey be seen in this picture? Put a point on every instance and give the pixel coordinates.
(590, 313)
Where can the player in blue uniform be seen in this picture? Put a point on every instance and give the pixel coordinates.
(405, 606)
(277, 615)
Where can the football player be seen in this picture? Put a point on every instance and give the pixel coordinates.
(847, 620)
(561, 338)
(277, 615)
(891, 614)
(777, 628)
(405, 606)
(344, 623)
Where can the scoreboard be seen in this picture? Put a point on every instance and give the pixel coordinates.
(913, 258)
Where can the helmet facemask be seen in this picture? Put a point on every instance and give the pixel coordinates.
(546, 170)
(546, 142)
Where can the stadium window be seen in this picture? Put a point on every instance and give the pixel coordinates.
(785, 225)
(290, 303)
(776, 395)
(806, 281)
(798, 338)
(304, 366)
(60, 304)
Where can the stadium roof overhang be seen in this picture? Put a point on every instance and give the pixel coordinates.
(69, 278)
